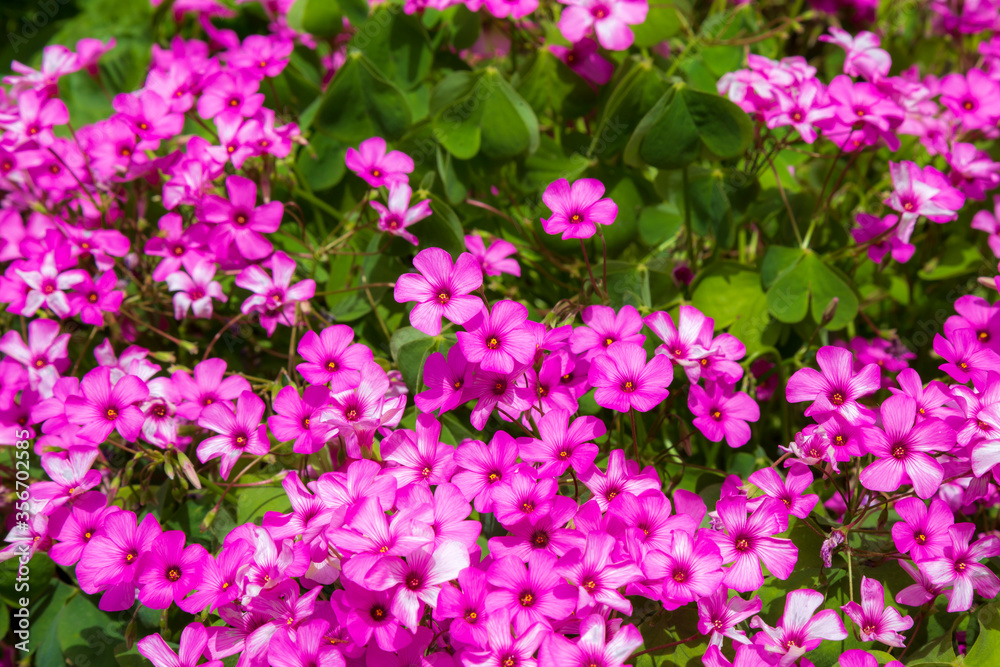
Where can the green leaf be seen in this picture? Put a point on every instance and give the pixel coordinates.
(798, 278)
(710, 205)
(660, 223)
(987, 647)
(45, 617)
(958, 257)
(456, 111)
(40, 576)
(661, 22)
(684, 123)
(325, 18)
(510, 127)
(410, 349)
(88, 635)
(361, 103)
(322, 162)
(731, 294)
(253, 502)
(397, 45)
(549, 83)
(626, 100)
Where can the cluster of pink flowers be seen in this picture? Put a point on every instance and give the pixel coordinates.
(865, 108)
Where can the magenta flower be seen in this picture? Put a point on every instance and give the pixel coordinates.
(923, 532)
(800, 627)
(195, 291)
(466, 607)
(515, 9)
(585, 59)
(577, 210)
(604, 327)
(418, 579)
(624, 380)
(446, 381)
(498, 340)
(597, 575)
(44, 356)
(689, 569)
(220, 578)
(863, 55)
(722, 412)
(919, 192)
(481, 468)
(747, 541)
(370, 615)
(903, 449)
(790, 491)
(378, 168)
(610, 20)
(274, 296)
(419, 456)
(837, 389)
(533, 595)
(965, 356)
(91, 299)
(239, 432)
(719, 617)
(178, 246)
(360, 411)
(110, 561)
(310, 648)
(230, 94)
(592, 648)
(524, 496)
(875, 621)
(495, 260)
(398, 215)
(240, 221)
(450, 512)
(297, 418)
(207, 387)
(863, 115)
(989, 222)
(562, 444)
(75, 527)
(70, 476)
(871, 228)
(688, 342)
(803, 111)
(504, 650)
(104, 408)
(168, 571)
(332, 358)
(47, 287)
(622, 476)
(370, 536)
(440, 289)
(973, 98)
(960, 567)
(194, 641)
(746, 656)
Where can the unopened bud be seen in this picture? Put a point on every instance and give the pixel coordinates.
(831, 310)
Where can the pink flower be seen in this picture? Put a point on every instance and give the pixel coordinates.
(533, 595)
(592, 647)
(230, 94)
(837, 389)
(378, 168)
(800, 627)
(194, 640)
(498, 340)
(419, 456)
(872, 228)
(496, 259)
(418, 579)
(440, 289)
(110, 562)
(689, 569)
(47, 285)
(749, 540)
(195, 291)
(687, 343)
(960, 567)
(240, 221)
(515, 9)
(446, 381)
(584, 59)
(622, 476)
(598, 575)
(863, 55)
(44, 356)
(988, 222)
(274, 297)
(874, 620)
(503, 649)
(169, 571)
(240, 431)
(923, 533)
(919, 192)
(79, 525)
(297, 418)
(482, 468)
(104, 408)
(562, 444)
(721, 412)
(802, 111)
(399, 215)
(624, 380)
(332, 358)
(604, 327)
(972, 97)
(577, 210)
(790, 491)
(91, 299)
(608, 18)
(207, 387)
(903, 449)
(965, 356)
(719, 617)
